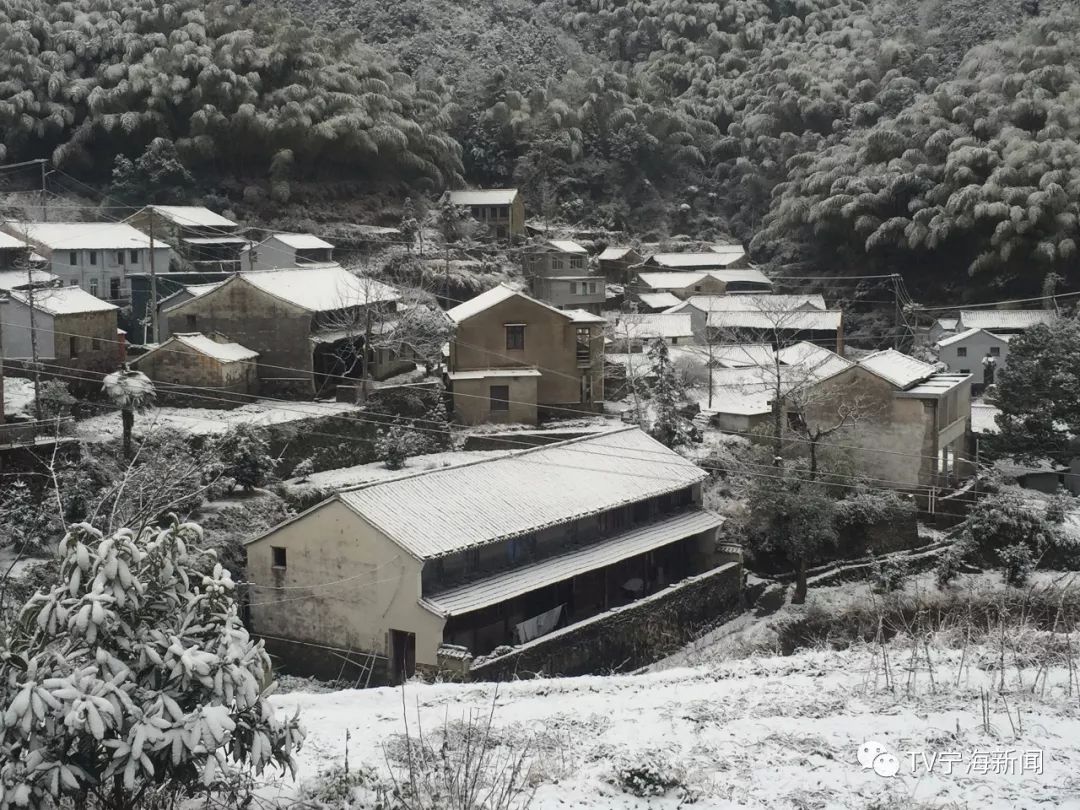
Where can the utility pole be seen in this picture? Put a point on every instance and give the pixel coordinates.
(44, 196)
(33, 325)
(153, 283)
(896, 310)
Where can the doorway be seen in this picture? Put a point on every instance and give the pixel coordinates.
(402, 655)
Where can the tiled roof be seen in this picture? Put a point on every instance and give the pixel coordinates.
(664, 300)
(12, 279)
(566, 246)
(444, 511)
(225, 352)
(496, 295)
(644, 326)
(192, 216)
(614, 254)
(484, 196)
(704, 261)
(488, 373)
(683, 280)
(1003, 318)
(785, 321)
(969, 333)
(765, 302)
(83, 235)
(300, 241)
(320, 289)
(63, 300)
(900, 369)
(502, 587)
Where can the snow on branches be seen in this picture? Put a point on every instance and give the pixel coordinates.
(133, 674)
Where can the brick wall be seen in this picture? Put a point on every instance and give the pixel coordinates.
(626, 637)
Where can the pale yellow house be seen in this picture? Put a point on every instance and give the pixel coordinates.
(420, 570)
(514, 359)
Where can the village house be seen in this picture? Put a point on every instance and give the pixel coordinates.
(942, 328)
(655, 302)
(14, 254)
(516, 359)
(501, 210)
(184, 292)
(307, 325)
(779, 327)
(632, 332)
(289, 250)
(22, 279)
(616, 263)
(719, 257)
(425, 569)
(224, 373)
(705, 282)
(977, 352)
(558, 272)
(76, 332)
(699, 307)
(98, 257)
(1003, 321)
(203, 240)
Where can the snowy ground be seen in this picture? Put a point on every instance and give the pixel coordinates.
(377, 471)
(725, 728)
(18, 396)
(208, 421)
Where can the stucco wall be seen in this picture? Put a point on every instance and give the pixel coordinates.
(345, 585)
(893, 437)
(16, 334)
(180, 364)
(549, 345)
(472, 400)
(84, 328)
(978, 346)
(278, 331)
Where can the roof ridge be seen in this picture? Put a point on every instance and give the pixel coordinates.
(512, 454)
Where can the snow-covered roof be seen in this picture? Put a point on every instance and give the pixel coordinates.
(192, 216)
(810, 357)
(83, 235)
(683, 280)
(566, 246)
(664, 300)
(484, 196)
(63, 300)
(935, 386)
(525, 579)
(704, 261)
(300, 241)
(791, 320)
(737, 249)
(948, 324)
(496, 295)
(742, 355)
(13, 279)
(1017, 319)
(902, 370)
(756, 302)
(215, 240)
(614, 254)
(443, 511)
(970, 333)
(225, 352)
(9, 242)
(194, 290)
(320, 289)
(644, 326)
(487, 373)
(984, 417)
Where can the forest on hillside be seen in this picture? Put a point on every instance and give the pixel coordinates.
(839, 136)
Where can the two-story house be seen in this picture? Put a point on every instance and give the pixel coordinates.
(516, 359)
(483, 554)
(616, 264)
(771, 318)
(501, 210)
(305, 324)
(98, 257)
(283, 250)
(558, 272)
(977, 352)
(683, 284)
(76, 332)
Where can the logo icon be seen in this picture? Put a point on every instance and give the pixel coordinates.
(875, 756)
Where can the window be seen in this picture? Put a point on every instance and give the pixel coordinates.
(73, 257)
(500, 398)
(995, 351)
(697, 288)
(93, 257)
(592, 288)
(515, 337)
(965, 371)
(93, 286)
(189, 322)
(119, 257)
(278, 555)
(577, 262)
(114, 288)
(586, 388)
(573, 288)
(961, 351)
(95, 344)
(556, 263)
(133, 256)
(72, 282)
(73, 347)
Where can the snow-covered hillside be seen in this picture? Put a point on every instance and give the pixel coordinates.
(761, 732)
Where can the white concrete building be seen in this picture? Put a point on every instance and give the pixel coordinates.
(281, 251)
(974, 352)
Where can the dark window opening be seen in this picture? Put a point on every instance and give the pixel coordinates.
(190, 321)
(133, 256)
(73, 257)
(119, 257)
(515, 337)
(73, 347)
(114, 288)
(279, 556)
(961, 351)
(500, 397)
(93, 257)
(995, 351)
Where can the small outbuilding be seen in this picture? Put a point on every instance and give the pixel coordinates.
(194, 368)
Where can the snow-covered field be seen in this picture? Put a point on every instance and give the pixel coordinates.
(18, 396)
(724, 728)
(208, 421)
(762, 732)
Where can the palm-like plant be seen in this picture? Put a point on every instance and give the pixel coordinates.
(129, 391)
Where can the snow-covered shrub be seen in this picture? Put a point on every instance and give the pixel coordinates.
(950, 563)
(887, 574)
(342, 789)
(245, 453)
(130, 678)
(1017, 562)
(302, 471)
(654, 776)
(54, 399)
(395, 445)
